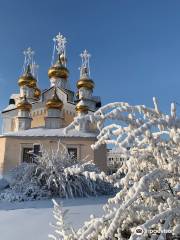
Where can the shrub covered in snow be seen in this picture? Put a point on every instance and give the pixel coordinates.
(56, 174)
(150, 197)
(23, 184)
(64, 176)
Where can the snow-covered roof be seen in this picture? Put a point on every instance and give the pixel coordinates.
(14, 95)
(9, 107)
(44, 132)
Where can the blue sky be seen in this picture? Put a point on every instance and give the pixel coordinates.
(135, 45)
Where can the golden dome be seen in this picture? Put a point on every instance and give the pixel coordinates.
(24, 104)
(32, 83)
(81, 109)
(27, 79)
(58, 71)
(55, 102)
(86, 83)
(37, 92)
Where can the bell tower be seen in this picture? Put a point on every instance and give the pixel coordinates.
(85, 84)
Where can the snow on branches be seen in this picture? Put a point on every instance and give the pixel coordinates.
(60, 227)
(67, 177)
(150, 196)
(56, 174)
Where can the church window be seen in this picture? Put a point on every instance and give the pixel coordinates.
(11, 101)
(37, 149)
(27, 155)
(73, 152)
(12, 125)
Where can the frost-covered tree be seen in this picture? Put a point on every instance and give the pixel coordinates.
(150, 197)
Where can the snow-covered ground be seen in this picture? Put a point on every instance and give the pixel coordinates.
(30, 220)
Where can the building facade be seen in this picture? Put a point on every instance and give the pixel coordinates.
(115, 160)
(34, 118)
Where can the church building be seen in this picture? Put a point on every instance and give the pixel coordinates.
(36, 118)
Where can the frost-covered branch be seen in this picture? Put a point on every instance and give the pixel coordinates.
(149, 140)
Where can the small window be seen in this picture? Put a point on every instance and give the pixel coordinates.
(12, 124)
(98, 104)
(73, 152)
(37, 149)
(27, 155)
(11, 101)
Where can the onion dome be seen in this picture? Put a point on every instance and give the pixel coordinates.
(27, 79)
(81, 107)
(37, 92)
(86, 83)
(55, 102)
(58, 70)
(24, 104)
